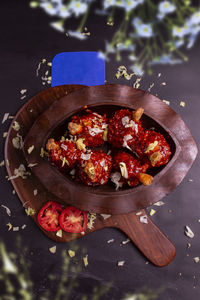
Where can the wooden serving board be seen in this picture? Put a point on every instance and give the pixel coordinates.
(147, 237)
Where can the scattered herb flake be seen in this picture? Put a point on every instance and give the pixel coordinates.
(126, 241)
(159, 203)
(5, 117)
(15, 228)
(136, 84)
(71, 253)
(17, 142)
(23, 91)
(43, 152)
(110, 241)
(8, 211)
(166, 102)
(16, 126)
(105, 216)
(196, 259)
(52, 249)
(39, 65)
(32, 165)
(182, 103)
(143, 219)
(150, 87)
(30, 149)
(20, 172)
(91, 219)
(85, 260)
(138, 213)
(121, 263)
(151, 146)
(59, 233)
(9, 226)
(152, 212)
(30, 211)
(189, 232)
(2, 163)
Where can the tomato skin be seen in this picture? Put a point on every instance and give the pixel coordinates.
(73, 220)
(48, 216)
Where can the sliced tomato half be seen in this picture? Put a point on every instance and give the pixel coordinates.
(48, 216)
(73, 220)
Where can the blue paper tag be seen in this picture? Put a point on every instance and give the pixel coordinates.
(85, 68)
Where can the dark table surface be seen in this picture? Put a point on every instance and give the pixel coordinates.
(25, 39)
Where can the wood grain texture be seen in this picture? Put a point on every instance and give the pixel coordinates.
(104, 199)
(147, 237)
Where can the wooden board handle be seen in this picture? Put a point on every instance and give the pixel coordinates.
(148, 238)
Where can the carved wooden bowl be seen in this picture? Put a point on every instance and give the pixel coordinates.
(107, 99)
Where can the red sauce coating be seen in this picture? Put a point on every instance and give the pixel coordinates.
(133, 167)
(96, 170)
(123, 130)
(65, 155)
(150, 137)
(90, 127)
(94, 167)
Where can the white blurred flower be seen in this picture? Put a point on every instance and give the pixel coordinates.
(59, 2)
(137, 69)
(108, 3)
(132, 57)
(165, 59)
(63, 11)
(179, 43)
(166, 7)
(179, 31)
(119, 3)
(34, 4)
(49, 8)
(131, 4)
(160, 16)
(195, 29)
(195, 18)
(192, 38)
(137, 22)
(8, 265)
(77, 7)
(122, 46)
(109, 48)
(77, 35)
(58, 25)
(144, 30)
(102, 55)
